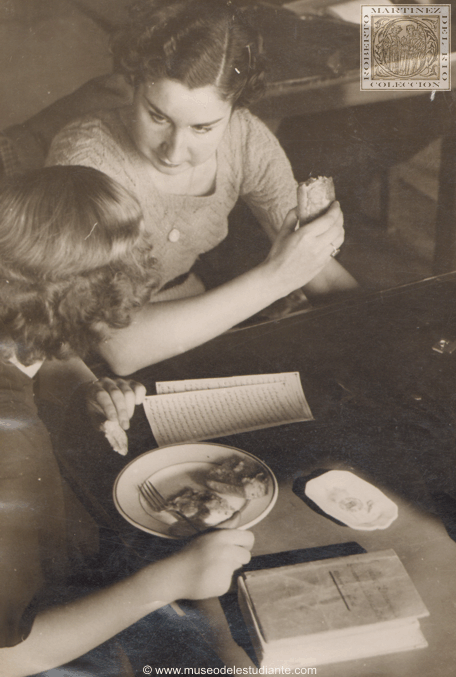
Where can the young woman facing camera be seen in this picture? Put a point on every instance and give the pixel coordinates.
(74, 261)
(188, 148)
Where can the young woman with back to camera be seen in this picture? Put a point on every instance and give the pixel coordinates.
(188, 148)
(74, 261)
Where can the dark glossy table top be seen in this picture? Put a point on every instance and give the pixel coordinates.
(376, 387)
(383, 402)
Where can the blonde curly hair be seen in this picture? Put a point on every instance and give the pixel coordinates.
(73, 260)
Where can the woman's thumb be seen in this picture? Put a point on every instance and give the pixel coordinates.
(232, 522)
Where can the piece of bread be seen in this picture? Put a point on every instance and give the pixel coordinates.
(314, 198)
(226, 488)
(204, 508)
(116, 436)
(237, 478)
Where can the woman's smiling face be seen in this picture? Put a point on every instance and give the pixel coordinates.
(177, 128)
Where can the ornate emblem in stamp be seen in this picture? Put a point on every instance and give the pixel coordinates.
(405, 47)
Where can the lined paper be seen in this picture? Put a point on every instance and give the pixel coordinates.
(224, 406)
(291, 378)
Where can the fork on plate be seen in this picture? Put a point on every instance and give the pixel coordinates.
(155, 500)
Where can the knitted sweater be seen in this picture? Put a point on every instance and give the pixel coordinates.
(250, 164)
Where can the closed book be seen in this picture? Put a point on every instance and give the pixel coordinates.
(332, 610)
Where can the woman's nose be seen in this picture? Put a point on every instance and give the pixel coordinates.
(175, 146)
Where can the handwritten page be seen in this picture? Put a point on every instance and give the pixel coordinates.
(291, 378)
(195, 415)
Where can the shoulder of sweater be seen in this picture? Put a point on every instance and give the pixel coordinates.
(251, 137)
(99, 135)
(248, 124)
(248, 140)
(101, 123)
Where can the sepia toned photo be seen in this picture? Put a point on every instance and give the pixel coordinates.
(227, 338)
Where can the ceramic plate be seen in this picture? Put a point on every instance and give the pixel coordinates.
(351, 500)
(175, 467)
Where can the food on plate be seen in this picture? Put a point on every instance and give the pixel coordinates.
(116, 436)
(214, 495)
(314, 198)
(203, 507)
(238, 478)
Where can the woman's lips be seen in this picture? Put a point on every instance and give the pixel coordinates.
(166, 163)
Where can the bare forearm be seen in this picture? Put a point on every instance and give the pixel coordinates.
(67, 632)
(162, 330)
(201, 570)
(333, 279)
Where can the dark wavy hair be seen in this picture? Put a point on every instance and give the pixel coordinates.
(197, 42)
(73, 260)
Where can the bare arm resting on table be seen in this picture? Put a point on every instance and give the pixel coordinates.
(203, 569)
(333, 278)
(162, 330)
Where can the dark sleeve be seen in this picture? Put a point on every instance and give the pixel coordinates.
(30, 507)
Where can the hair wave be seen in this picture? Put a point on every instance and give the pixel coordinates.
(74, 261)
(197, 42)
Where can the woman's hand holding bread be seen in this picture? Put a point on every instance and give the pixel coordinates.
(297, 256)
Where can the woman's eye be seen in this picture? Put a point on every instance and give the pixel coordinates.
(159, 119)
(202, 130)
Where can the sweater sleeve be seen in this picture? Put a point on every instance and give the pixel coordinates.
(268, 185)
(89, 142)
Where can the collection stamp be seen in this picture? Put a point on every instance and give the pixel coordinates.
(405, 47)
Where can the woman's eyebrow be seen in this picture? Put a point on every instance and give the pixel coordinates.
(163, 115)
(155, 108)
(208, 124)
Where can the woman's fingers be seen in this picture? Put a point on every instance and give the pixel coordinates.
(231, 523)
(242, 556)
(126, 394)
(314, 238)
(115, 399)
(124, 401)
(297, 256)
(325, 233)
(333, 238)
(230, 537)
(316, 235)
(140, 392)
(207, 563)
(291, 222)
(333, 218)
